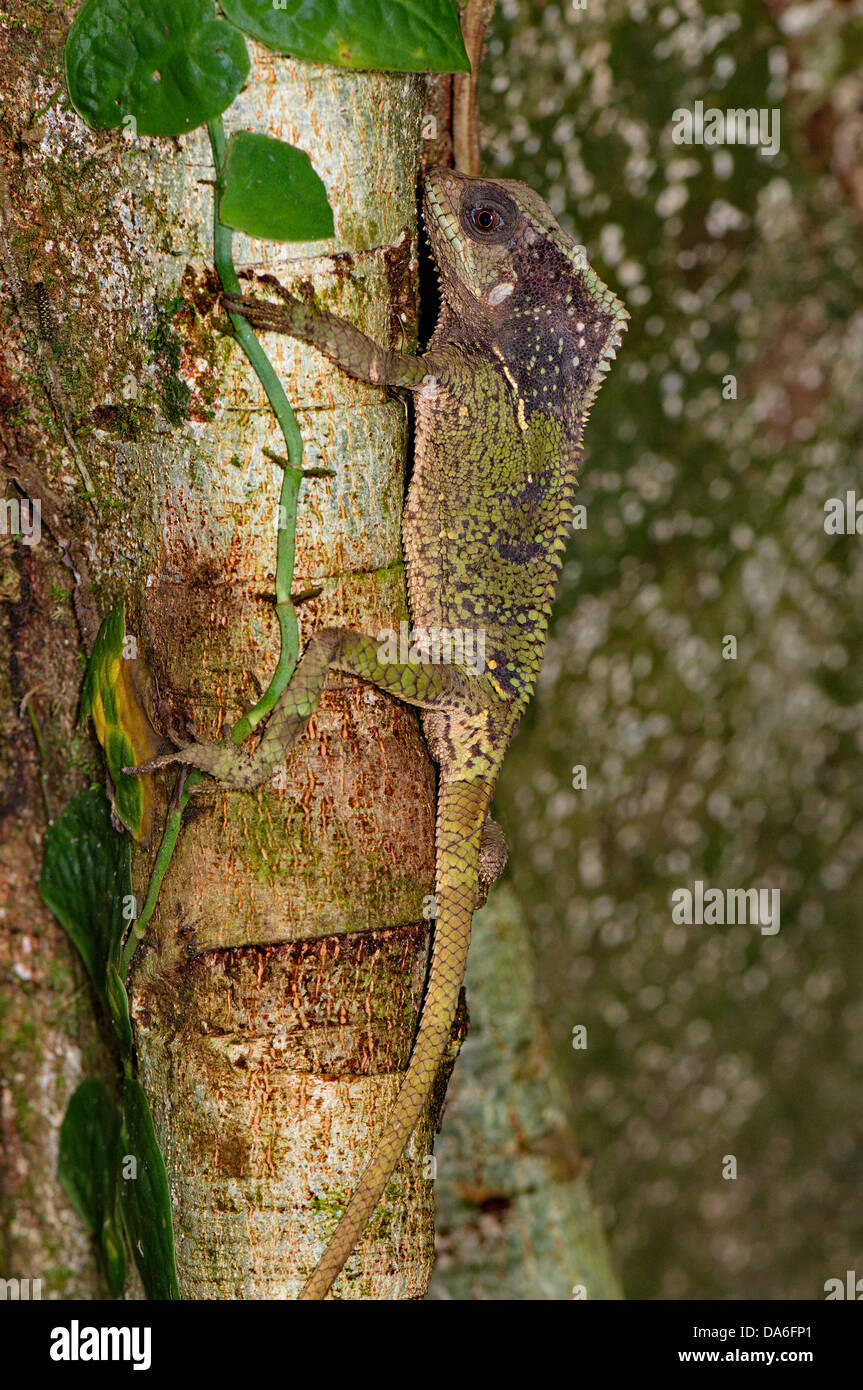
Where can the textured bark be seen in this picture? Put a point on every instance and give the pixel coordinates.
(49, 1039)
(263, 1107)
(270, 1033)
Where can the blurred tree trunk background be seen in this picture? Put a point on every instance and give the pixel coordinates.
(705, 518)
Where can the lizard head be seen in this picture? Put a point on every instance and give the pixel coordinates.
(511, 276)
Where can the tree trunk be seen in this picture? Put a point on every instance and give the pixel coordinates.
(275, 1002)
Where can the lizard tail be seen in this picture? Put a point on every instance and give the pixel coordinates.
(462, 808)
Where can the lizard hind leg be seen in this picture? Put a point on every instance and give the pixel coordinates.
(292, 712)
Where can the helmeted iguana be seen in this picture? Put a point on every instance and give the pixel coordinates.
(525, 333)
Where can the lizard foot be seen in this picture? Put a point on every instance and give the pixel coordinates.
(224, 761)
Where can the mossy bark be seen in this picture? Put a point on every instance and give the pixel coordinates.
(49, 1037)
(276, 996)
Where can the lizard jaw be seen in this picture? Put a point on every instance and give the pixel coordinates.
(441, 218)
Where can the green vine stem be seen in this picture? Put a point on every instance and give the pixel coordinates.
(292, 474)
(292, 477)
(170, 835)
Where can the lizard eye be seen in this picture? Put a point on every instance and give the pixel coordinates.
(485, 219)
(487, 214)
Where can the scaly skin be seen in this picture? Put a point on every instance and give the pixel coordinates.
(525, 334)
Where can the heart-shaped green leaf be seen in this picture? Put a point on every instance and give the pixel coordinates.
(271, 190)
(396, 35)
(86, 877)
(171, 65)
(146, 1199)
(88, 1168)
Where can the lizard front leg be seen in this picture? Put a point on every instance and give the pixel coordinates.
(339, 340)
(428, 686)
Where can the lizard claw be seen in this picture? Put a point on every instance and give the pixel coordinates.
(242, 304)
(153, 764)
(258, 312)
(238, 302)
(224, 761)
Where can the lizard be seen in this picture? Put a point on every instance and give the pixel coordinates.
(525, 333)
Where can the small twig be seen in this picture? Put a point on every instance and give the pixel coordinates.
(26, 704)
(475, 18)
(306, 594)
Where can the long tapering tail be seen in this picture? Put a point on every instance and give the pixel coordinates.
(462, 809)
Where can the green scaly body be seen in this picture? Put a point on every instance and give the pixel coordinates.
(525, 333)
